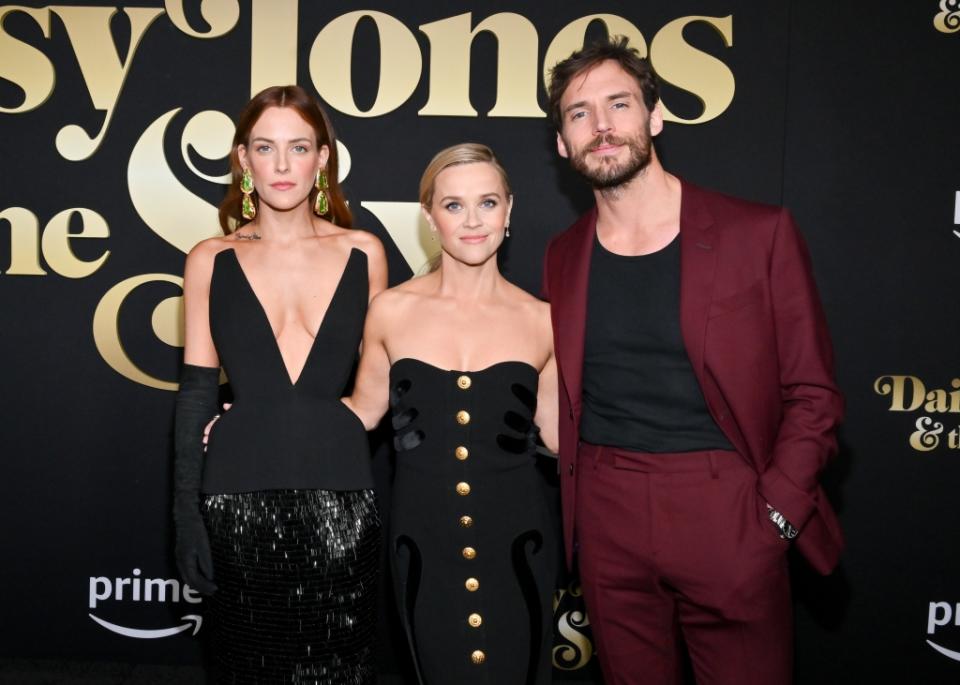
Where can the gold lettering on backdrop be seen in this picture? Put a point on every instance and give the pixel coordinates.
(908, 394)
(167, 321)
(273, 43)
(927, 435)
(160, 199)
(896, 387)
(675, 60)
(24, 65)
(27, 243)
(24, 242)
(103, 71)
(55, 242)
(450, 43)
(332, 54)
(571, 38)
(408, 229)
(210, 133)
(938, 401)
(274, 60)
(106, 330)
(570, 622)
(221, 15)
(948, 19)
(682, 65)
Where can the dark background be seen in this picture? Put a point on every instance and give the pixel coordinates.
(845, 112)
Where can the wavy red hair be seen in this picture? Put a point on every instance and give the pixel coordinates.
(298, 99)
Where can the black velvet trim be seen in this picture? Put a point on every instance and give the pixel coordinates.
(407, 441)
(525, 395)
(524, 546)
(409, 568)
(513, 445)
(399, 390)
(517, 444)
(519, 423)
(404, 418)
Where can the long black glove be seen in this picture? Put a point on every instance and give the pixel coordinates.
(196, 405)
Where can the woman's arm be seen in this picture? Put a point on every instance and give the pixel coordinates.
(196, 403)
(198, 347)
(547, 402)
(547, 410)
(371, 395)
(376, 260)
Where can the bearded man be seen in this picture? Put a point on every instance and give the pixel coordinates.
(697, 401)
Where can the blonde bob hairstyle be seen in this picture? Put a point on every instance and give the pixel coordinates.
(455, 155)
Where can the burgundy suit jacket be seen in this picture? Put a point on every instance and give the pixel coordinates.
(757, 338)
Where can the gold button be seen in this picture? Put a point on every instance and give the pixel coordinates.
(466, 521)
(463, 382)
(461, 453)
(478, 657)
(463, 489)
(463, 418)
(472, 584)
(474, 620)
(469, 553)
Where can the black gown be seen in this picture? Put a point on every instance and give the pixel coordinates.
(290, 511)
(472, 543)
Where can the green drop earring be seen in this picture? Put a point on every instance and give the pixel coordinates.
(321, 205)
(247, 207)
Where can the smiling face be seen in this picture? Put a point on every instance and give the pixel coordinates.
(606, 128)
(283, 157)
(469, 211)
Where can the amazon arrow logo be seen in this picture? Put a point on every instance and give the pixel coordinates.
(949, 653)
(192, 620)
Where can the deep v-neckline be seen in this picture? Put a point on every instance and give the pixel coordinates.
(266, 319)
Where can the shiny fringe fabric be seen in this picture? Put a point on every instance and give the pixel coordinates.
(296, 572)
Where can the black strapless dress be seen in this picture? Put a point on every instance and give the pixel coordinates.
(292, 518)
(472, 545)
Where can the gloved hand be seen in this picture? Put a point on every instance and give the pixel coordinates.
(192, 549)
(196, 405)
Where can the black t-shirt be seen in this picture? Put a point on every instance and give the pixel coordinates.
(639, 389)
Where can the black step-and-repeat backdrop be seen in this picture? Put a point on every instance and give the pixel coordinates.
(114, 127)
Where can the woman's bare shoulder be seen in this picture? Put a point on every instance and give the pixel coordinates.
(518, 297)
(399, 301)
(390, 307)
(198, 268)
(361, 238)
(357, 238)
(203, 253)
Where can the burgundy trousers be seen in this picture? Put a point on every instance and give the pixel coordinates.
(679, 546)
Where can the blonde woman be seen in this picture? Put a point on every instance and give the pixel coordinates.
(464, 360)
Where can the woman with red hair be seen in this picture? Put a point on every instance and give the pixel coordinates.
(278, 520)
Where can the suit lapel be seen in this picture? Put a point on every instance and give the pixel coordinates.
(572, 283)
(698, 260)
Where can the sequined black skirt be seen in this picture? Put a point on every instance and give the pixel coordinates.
(296, 572)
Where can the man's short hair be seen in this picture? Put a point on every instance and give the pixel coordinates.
(614, 48)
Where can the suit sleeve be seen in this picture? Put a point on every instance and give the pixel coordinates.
(545, 280)
(812, 405)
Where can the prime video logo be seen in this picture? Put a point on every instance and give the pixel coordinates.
(942, 614)
(137, 589)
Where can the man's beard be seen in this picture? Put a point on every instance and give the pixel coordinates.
(608, 174)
